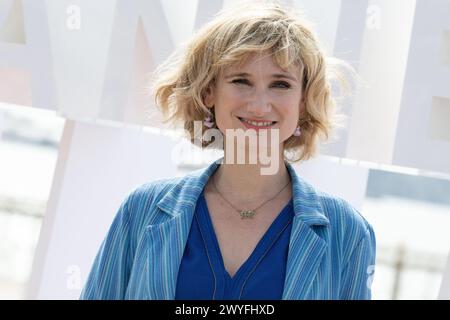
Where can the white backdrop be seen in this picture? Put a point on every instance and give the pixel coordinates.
(97, 167)
(90, 60)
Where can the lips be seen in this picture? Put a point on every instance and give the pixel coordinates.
(257, 124)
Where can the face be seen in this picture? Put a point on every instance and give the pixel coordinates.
(261, 92)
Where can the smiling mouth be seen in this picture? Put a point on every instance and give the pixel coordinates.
(256, 124)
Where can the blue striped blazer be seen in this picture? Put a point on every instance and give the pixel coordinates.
(331, 249)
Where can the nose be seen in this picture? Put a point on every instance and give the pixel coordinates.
(259, 105)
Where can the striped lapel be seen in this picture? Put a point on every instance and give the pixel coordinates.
(306, 247)
(167, 239)
(166, 245)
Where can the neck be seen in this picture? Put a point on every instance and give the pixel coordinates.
(246, 181)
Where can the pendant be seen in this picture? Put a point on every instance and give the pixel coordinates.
(245, 214)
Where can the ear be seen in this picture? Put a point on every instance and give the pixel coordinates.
(302, 104)
(209, 97)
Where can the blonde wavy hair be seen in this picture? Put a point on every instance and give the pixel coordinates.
(180, 83)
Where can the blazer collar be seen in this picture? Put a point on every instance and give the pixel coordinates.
(307, 205)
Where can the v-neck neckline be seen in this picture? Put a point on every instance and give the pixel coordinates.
(266, 241)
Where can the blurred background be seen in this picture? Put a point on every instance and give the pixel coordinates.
(76, 134)
(29, 141)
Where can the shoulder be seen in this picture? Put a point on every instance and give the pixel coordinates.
(152, 191)
(342, 214)
(149, 193)
(143, 199)
(349, 228)
(140, 202)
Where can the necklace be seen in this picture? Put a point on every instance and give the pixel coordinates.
(245, 214)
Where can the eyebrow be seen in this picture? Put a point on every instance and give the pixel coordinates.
(276, 75)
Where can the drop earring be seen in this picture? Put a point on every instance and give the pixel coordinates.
(297, 132)
(208, 121)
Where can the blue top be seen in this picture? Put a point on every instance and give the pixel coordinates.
(202, 274)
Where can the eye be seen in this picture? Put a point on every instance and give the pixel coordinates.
(282, 84)
(240, 81)
(278, 84)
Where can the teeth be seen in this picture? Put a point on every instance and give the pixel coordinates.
(257, 124)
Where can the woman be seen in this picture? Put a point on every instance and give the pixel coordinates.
(229, 231)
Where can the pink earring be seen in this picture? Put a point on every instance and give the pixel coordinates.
(297, 132)
(208, 121)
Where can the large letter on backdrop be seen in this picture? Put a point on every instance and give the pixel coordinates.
(25, 61)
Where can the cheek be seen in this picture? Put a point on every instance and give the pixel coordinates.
(233, 96)
(230, 101)
(290, 113)
(291, 109)
(291, 122)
